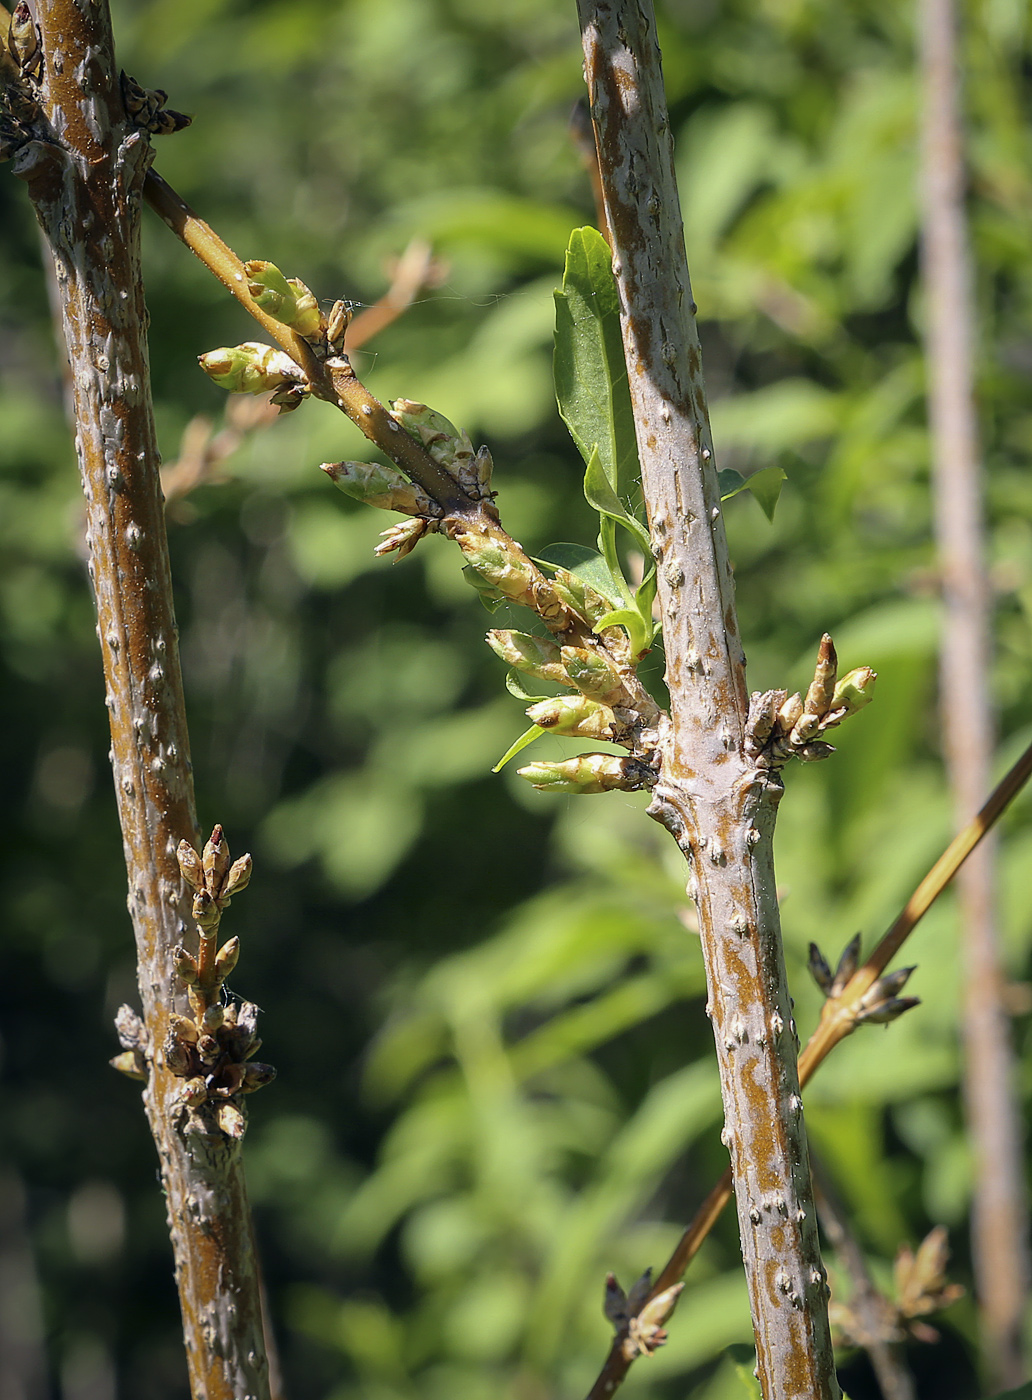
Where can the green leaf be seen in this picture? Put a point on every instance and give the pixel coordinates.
(599, 493)
(588, 565)
(590, 372)
(730, 483)
(515, 686)
(640, 632)
(488, 594)
(743, 1359)
(527, 737)
(766, 487)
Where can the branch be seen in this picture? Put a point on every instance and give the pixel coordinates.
(839, 1018)
(713, 794)
(1000, 1206)
(85, 163)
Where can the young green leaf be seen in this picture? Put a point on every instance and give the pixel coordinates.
(588, 565)
(599, 493)
(590, 372)
(743, 1359)
(765, 486)
(527, 737)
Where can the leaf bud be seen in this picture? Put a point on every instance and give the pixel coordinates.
(814, 751)
(847, 965)
(822, 687)
(130, 1063)
(213, 1018)
(231, 1120)
(215, 860)
(256, 1076)
(475, 474)
(854, 690)
(587, 774)
(402, 537)
(207, 913)
(820, 969)
(640, 1289)
(580, 597)
(614, 1303)
(194, 1091)
(590, 672)
(447, 445)
(887, 986)
(886, 1011)
(502, 565)
(759, 722)
(376, 484)
(129, 1029)
(250, 368)
(337, 325)
(790, 712)
(270, 290)
(573, 715)
(190, 865)
(307, 319)
(238, 879)
(534, 656)
(185, 965)
(22, 37)
(226, 958)
(183, 1029)
(178, 1055)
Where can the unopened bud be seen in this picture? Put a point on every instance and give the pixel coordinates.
(534, 656)
(22, 38)
(226, 958)
(237, 880)
(503, 566)
(475, 474)
(213, 1018)
(215, 860)
(231, 1120)
(337, 324)
(130, 1063)
(269, 289)
(814, 751)
(580, 597)
(886, 1011)
(250, 368)
(256, 1076)
(185, 965)
(183, 1029)
(590, 672)
(847, 966)
(854, 690)
(308, 319)
(402, 537)
(190, 865)
(376, 484)
(822, 687)
(587, 774)
(614, 1304)
(129, 1029)
(574, 715)
(446, 444)
(207, 913)
(820, 969)
(790, 712)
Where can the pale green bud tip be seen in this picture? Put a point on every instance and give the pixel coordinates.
(376, 484)
(573, 715)
(262, 275)
(586, 774)
(855, 689)
(536, 656)
(250, 368)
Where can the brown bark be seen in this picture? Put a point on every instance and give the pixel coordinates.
(1000, 1211)
(85, 178)
(719, 805)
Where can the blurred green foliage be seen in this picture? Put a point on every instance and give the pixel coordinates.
(496, 1080)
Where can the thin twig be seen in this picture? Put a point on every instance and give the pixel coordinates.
(1000, 1206)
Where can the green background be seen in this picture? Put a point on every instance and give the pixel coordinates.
(496, 1081)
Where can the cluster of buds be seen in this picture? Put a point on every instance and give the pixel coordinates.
(780, 725)
(921, 1287)
(637, 1317)
(881, 1002)
(376, 484)
(209, 1050)
(255, 368)
(449, 446)
(21, 64)
(288, 300)
(577, 668)
(147, 110)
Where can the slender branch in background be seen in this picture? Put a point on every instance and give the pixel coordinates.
(839, 1018)
(870, 1318)
(713, 794)
(84, 163)
(999, 1207)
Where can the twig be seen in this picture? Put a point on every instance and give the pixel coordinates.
(873, 1320)
(713, 794)
(1000, 1206)
(84, 164)
(838, 1020)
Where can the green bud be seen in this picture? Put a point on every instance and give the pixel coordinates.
(402, 537)
(446, 444)
(379, 485)
(586, 774)
(573, 715)
(589, 672)
(250, 368)
(854, 690)
(130, 1063)
(580, 596)
(505, 569)
(265, 282)
(535, 656)
(307, 318)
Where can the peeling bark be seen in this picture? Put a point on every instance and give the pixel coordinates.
(85, 174)
(718, 804)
